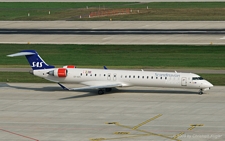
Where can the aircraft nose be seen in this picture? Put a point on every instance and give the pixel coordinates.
(209, 84)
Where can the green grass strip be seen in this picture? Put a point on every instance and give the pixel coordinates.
(120, 56)
(69, 5)
(161, 11)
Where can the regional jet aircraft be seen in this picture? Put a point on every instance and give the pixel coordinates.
(104, 79)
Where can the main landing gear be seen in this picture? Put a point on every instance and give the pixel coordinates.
(200, 92)
(101, 91)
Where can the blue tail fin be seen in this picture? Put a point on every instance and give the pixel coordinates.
(35, 61)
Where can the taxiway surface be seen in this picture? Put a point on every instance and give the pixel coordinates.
(43, 112)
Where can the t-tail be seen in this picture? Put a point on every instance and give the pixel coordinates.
(35, 61)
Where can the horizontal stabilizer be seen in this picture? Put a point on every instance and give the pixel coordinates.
(21, 54)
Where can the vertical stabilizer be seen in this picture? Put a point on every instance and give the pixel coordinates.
(35, 61)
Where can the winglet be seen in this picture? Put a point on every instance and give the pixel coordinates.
(64, 88)
(105, 68)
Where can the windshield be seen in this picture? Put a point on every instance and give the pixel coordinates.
(197, 78)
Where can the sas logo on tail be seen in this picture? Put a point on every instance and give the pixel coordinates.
(37, 64)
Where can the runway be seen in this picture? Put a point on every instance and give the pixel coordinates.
(110, 31)
(115, 39)
(43, 112)
(185, 39)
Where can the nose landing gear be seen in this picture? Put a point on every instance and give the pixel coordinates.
(200, 92)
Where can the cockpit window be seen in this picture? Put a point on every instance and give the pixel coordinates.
(197, 78)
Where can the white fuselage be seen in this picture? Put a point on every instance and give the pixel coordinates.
(128, 78)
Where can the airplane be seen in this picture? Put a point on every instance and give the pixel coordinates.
(105, 79)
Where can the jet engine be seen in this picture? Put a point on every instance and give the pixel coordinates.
(60, 72)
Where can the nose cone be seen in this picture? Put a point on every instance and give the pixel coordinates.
(209, 84)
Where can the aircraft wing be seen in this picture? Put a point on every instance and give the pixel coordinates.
(93, 85)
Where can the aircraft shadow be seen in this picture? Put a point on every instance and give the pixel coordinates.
(46, 89)
(158, 91)
(91, 93)
(115, 90)
(56, 88)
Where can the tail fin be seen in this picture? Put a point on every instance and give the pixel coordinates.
(35, 61)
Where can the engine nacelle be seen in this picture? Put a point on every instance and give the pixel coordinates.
(69, 66)
(60, 72)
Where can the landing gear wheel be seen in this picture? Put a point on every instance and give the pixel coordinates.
(200, 92)
(100, 92)
(108, 89)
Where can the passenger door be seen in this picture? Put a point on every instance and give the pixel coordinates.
(183, 81)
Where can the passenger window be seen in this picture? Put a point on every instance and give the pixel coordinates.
(134, 76)
(104, 74)
(138, 76)
(81, 74)
(143, 77)
(147, 77)
(125, 76)
(161, 77)
(152, 77)
(95, 74)
(129, 76)
(86, 74)
(156, 77)
(165, 77)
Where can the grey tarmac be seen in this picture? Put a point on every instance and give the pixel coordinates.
(43, 112)
(112, 24)
(159, 39)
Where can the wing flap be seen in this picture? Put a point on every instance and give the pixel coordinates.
(96, 87)
(112, 85)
